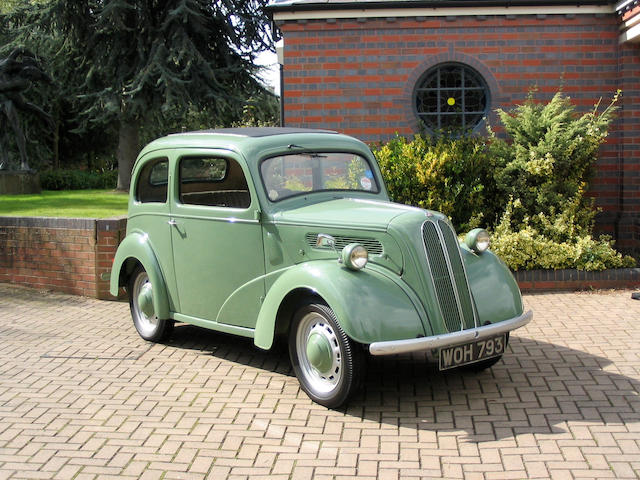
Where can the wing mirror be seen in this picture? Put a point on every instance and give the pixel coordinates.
(324, 240)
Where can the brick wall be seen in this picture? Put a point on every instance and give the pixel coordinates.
(629, 222)
(358, 75)
(66, 255)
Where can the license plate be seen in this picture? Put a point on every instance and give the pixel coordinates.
(451, 357)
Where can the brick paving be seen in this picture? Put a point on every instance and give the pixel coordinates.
(82, 396)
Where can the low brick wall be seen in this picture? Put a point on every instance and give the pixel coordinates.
(70, 255)
(545, 280)
(63, 254)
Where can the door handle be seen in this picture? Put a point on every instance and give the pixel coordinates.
(172, 222)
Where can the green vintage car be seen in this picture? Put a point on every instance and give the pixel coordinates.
(263, 232)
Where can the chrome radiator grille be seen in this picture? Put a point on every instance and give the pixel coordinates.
(447, 271)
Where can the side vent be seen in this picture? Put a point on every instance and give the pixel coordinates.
(373, 246)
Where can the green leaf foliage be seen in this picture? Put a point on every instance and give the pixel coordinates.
(143, 59)
(447, 174)
(61, 179)
(543, 172)
(527, 248)
(155, 67)
(529, 185)
(544, 167)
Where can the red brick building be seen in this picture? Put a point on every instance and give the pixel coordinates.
(374, 68)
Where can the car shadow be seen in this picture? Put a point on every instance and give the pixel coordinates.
(537, 388)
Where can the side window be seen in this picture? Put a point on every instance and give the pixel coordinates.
(152, 181)
(214, 182)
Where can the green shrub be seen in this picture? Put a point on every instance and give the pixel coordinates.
(529, 188)
(542, 174)
(446, 174)
(78, 180)
(544, 167)
(527, 249)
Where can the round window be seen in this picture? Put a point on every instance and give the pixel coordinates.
(451, 96)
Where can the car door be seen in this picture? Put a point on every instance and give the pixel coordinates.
(149, 212)
(217, 239)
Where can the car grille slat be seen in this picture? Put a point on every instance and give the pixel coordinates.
(447, 271)
(441, 277)
(373, 246)
(459, 276)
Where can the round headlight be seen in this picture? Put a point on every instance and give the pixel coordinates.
(355, 256)
(478, 240)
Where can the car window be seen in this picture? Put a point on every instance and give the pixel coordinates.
(214, 182)
(294, 174)
(152, 181)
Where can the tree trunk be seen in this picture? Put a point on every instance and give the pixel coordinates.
(128, 145)
(56, 144)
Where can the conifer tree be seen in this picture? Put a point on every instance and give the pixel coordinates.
(141, 61)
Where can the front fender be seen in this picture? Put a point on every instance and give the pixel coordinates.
(495, 291)
(136, 246)
(370, 305)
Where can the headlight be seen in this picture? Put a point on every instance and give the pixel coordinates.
(355, 256)
(478, 240)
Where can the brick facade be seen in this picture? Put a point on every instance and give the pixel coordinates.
(66, 255)
(629, 154)
(357, 75)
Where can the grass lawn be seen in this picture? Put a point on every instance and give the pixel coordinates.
(70, 204)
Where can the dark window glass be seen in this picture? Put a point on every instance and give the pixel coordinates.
(159, 173)
(152, 181)
(214, 182)
(451, 96)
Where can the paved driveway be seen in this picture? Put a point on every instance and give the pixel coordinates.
(82, 396)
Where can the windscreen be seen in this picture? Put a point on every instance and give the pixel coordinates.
(301, 173)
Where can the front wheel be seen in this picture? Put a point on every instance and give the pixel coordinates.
(147, 323)
(328, 364)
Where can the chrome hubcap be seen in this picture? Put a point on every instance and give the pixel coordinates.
(145, 299)
(319, 353)
(144, 314)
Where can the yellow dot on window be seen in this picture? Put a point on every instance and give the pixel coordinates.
(451, 101)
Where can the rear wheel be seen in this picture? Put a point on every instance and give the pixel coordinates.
(328, 364)
(147, 323)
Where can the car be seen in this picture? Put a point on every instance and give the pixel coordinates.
(288, 232)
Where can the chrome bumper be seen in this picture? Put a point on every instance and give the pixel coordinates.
(393, 347)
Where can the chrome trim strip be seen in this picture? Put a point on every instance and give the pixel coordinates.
(452, 280)
(393, 347)
(433, 282)
(214, 219)
(466, 279)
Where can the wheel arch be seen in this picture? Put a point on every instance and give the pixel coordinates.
(136, 250)
(354, 297)
(290, 304)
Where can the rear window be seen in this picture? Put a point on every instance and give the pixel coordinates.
(213, 182)
(152, 181)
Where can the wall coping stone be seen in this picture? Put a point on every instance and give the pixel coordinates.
(571, 279)
(101, 224)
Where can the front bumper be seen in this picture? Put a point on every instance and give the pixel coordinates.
(393, 347)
